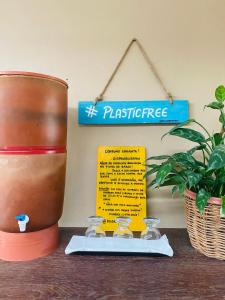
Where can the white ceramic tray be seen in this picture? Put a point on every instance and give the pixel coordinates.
(119, 245)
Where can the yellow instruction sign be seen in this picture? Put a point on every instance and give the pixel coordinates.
(121, 186)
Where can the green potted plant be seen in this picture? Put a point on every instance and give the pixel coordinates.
(199, 174)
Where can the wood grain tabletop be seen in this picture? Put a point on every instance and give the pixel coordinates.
(188, 275)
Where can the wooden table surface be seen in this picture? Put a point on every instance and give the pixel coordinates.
(188, 275)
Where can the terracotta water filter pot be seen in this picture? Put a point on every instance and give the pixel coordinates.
(33, 119)
(33, 110)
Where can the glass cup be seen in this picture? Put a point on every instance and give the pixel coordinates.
(123, 231)
(151, 232)
(94, 229)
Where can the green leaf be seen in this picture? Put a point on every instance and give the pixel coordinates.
(220, 93)
(174, 189)
(181, 187)
(202, 199)
(189, 134)
(222, 117)
(222, 208)
(215, 105)
(208, 181)
(153, 182)
(178, 126)
(184, 159)
(221, 178)
(193, 178)
(217, 158)
(151, 166)
(160, 157)
(164, 170)
(152, 171)
(201, 170)
(172, 180)
(218, 138)
(200, 164)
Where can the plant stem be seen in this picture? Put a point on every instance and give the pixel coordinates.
(210, 137)
(222, 116)
(207, 150)
(204, 158)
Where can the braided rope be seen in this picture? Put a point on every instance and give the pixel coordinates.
(150, 64)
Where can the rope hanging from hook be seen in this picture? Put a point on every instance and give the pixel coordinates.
(149, 62)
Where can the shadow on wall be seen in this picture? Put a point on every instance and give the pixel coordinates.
(160, 203)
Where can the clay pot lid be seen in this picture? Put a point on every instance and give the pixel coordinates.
(32, 74)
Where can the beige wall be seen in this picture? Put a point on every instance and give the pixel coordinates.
(82, 40)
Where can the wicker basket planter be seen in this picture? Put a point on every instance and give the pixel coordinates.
(206, 231)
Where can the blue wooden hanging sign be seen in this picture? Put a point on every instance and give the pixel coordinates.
(132, 112)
